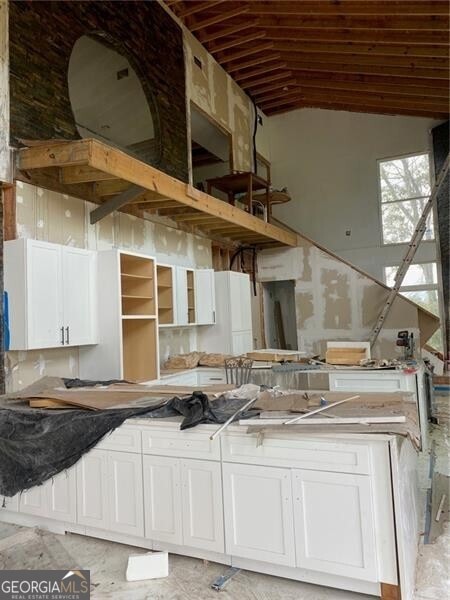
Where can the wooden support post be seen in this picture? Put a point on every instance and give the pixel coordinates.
(9, 213)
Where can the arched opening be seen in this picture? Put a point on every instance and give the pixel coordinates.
(108, 100)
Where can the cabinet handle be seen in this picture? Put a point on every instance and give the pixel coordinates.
(62, 336)
(67, 335)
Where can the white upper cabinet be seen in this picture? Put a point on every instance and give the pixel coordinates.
(51, 292)
(181, 308)
(205, 297)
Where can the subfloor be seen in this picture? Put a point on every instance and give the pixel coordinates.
(190, 579)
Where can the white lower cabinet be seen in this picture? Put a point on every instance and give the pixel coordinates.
(55, 499)
(183, 502)
(202, 505)
(162, 499)
(259, 521)
(109, 491)
(334, 525)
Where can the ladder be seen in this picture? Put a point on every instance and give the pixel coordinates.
(410, 253)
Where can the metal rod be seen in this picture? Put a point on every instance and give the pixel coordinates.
(231, 419)
(319, 410)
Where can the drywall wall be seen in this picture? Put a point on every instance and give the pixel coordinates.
(328, 161)
(334, 301)
(62, 219)
(5, 172)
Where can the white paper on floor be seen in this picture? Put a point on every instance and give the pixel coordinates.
(153, 565)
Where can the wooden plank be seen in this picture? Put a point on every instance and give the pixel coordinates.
(361, 48)
(254, 49)
(225, 32)
(256, 90)
(248, 74)
(105, 209)
(195, 8)
(386, 69)
(258, 60)
(390, 592)
(266, 79)
(123, 166)
(379, 36)
(218, 18)
(412, 62)
(350, 7)
(110, 187)
(83, 174)
(9, 212)
(237, 41)
(158, 204)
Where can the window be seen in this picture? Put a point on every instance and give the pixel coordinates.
(421, 286)
(404, 190)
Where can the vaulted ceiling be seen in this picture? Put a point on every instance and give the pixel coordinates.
(378, 56)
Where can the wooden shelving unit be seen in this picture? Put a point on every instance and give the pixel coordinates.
(166, 309)
(139, 325)
(191, 295)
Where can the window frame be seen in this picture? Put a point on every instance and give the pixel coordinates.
(380, 196)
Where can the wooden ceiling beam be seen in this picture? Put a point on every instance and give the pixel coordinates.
(355, 108)
(358, 59)
(256, 49)
(257, 72)
(378, 36)
(421, 73)
(350, 7)
(360, 48)
(266, 79)
(253, 62)
(218, 18)
(82, 174)
(388, 88)
(387, 23)
(237, 41)
(254, 92)
(306, 76)
(373, 98)
(219, 32)
(194, 8)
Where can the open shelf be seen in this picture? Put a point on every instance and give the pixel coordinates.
(165, 294)
(137, 285)
(191, 296)
(139, 340)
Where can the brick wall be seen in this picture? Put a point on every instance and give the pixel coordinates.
(42, 35)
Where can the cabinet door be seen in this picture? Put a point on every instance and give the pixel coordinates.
(241, 342)
(334, 524)
(205, 305)
(61, 496)
(45, 301)
(237, 322)
(92, 489)
(162, 499)
(79, 296)
(259, 521)
(202, 505)
(34, 501)
(245, 302)
(181, 296)
(125, 493)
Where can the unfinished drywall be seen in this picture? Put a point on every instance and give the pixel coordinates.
(328, 161)
(5, 172)
(62, 219)
(334, 301)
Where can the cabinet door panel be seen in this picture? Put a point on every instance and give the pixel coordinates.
(204, 297)
(259, 522)
(125, 493)
(242, 342)
(45, 302)
(34, 501)
(237, 322)
(202, 505)
(79, 296)
(92, 489)
(245, 302)
(334, 524)
(181, 296)
(162, 499)
(61, 496)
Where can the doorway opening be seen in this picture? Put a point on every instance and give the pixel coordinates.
(211, 149)
(280, 322)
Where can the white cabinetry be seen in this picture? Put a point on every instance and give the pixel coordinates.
(205, 297)
(232, 333)
(110, 492)
(259, 522)
(334, 529)
(51, 291)
(55, 499)
(183, 502)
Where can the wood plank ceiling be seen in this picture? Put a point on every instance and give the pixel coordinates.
(378, 56)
